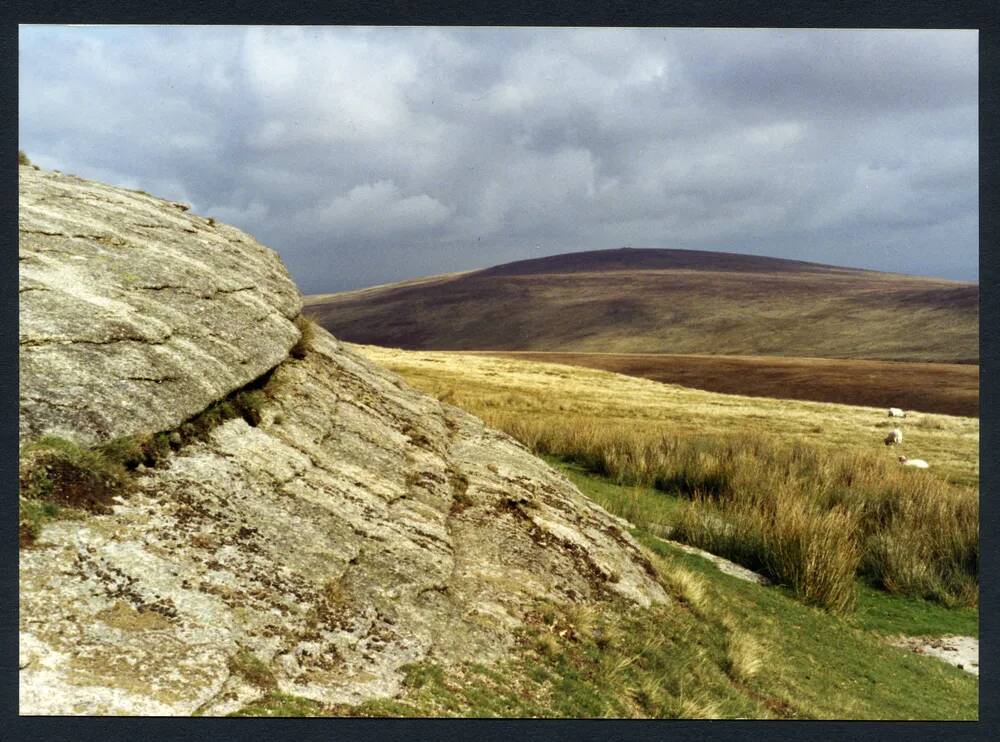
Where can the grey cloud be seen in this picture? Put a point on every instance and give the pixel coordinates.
(366, 155)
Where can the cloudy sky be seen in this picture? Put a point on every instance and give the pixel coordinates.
(367, 155)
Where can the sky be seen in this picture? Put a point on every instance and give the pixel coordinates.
(370, 155)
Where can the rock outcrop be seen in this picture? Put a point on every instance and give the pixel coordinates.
(357, 527)
(134, 313)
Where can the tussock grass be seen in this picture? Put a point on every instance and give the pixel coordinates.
(688, 586)
(805, 516)
(22, 158)
(810, 505)
(500, 387)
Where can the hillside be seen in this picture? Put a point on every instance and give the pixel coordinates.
(667, 301)
(783, 487)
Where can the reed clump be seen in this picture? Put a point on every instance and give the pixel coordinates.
(808, 516)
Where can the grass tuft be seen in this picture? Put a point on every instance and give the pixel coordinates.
(60, 472)
(307, 332)
(688, 587)
(743, 657)
(547, 645)
(251, 668)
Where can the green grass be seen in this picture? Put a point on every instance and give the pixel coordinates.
(281, 705)
(664, 662)
(880, 612)
(58, 471)
(836, 665)
(722, 648)
(654, 509)
(34, 514)
(58, 479)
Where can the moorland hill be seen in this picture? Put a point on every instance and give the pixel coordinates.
(667, 301)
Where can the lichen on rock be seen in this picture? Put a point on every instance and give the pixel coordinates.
(134, 314)
(354, 527)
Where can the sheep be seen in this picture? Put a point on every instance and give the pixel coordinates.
(894, 438)
(896, 412)
(919, 463)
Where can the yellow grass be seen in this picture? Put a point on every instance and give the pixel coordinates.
(493, 386)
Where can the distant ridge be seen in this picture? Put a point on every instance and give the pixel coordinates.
(647, 300)
(644, 258)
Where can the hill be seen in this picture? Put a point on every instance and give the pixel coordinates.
(667, 301)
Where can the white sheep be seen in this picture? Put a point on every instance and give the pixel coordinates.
(896, 412)
(919, 463)
(894, 438)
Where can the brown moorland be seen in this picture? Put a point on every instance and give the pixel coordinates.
(667, 301)
(945, 388)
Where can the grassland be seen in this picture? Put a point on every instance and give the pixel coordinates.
(492, 387)
(946, 388)
(667, 301)
(804, 492)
